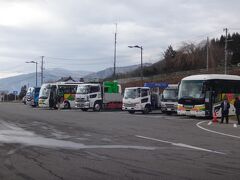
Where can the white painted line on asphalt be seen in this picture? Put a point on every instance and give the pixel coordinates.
(181, 145)
(235, 125)
(224, 134)
(210, 122)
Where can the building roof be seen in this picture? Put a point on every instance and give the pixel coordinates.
(66, 79)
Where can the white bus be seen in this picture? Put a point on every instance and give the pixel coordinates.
(201, 95)
(63, 92)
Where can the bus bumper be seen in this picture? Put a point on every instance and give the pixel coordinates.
(43, 103)
(181, 112)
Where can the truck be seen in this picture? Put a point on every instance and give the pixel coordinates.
(98, 96)
(169, 99)
(143, 99)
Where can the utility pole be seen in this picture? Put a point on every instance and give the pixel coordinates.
(207, 52)
(42, 71)
(36, 73)
(141, 65)
(225, 51)
(115, 53)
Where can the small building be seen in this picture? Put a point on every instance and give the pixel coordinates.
(66, 79)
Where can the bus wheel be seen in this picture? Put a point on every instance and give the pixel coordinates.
(146, 110)
(131, 112)
(97, 107)
(84, 109)
(67, 105)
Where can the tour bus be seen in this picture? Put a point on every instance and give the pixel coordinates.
(201, 95)
(32, 96)
(60, 91)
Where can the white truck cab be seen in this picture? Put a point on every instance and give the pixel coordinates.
(97, 96)
(137, 99)
(88, 96)
(169, 99)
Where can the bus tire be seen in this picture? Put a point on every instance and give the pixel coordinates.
(97, 106)
(131, 112)
(67, 105)
(84, 109)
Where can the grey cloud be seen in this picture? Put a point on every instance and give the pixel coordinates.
(85, 29)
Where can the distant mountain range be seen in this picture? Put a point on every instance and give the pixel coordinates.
(109, 71)
(15, 83)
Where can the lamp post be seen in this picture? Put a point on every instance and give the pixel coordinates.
(140, 47)
(35, 62)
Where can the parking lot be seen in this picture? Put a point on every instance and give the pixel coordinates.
(71, 144)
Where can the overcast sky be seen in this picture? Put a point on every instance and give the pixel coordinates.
(79, 34)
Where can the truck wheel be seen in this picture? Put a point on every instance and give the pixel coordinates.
(146, 110)
(97, 107)
(131, 112)
(84, 109)
(168, 112)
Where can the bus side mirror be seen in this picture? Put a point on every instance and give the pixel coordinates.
(161, 96)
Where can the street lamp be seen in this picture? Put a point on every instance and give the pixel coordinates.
(140, 47)
(35, 62)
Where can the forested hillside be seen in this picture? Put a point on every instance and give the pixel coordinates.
(193, 57)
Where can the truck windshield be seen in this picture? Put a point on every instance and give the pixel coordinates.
(132, 93)
(44, 91)
(83, 89)
(191, 89)
(170, 94)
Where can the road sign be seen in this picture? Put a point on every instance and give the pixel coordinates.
(162, 85)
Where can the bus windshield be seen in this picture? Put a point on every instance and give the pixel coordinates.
(44, 91)
(29, 91)
(170, 94)
(132, 93)
(191, 89)
(83, 89)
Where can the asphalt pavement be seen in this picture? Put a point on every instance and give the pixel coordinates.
(38, 144)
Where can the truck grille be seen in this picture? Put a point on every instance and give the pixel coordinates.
(80, 100)
(130, 105)
(169, 105)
